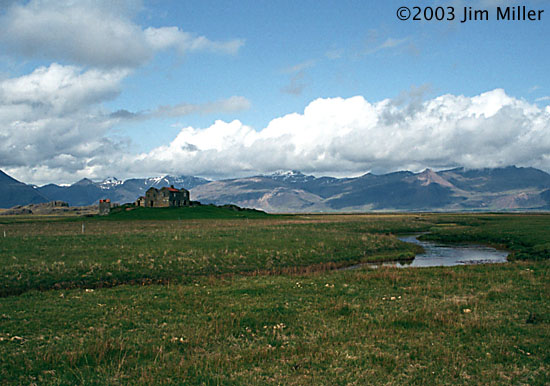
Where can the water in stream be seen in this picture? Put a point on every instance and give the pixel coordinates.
(438, 254)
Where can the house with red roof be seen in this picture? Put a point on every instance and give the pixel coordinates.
(164, 198)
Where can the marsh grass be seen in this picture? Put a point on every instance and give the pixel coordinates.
(364, 327)
(58, 254)
(257, 302)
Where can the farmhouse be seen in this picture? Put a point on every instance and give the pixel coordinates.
(164, 198)
(104, 207)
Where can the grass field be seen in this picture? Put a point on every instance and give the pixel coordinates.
(255, 299)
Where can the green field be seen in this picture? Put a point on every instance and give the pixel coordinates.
(235, 297)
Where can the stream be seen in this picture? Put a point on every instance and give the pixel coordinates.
(438, 254)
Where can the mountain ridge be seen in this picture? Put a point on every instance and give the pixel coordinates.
(13, 192)
(458, 189)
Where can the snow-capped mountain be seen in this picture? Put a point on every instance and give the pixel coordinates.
(508, 188)
(453, 190)
(87, 192)
(109, 183)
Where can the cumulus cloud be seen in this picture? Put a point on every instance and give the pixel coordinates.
(332, 136)
(48, 116)
(57, 89)
(349, 136)
(53, 125)
(95, 33)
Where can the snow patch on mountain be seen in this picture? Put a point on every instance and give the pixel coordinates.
(290, 176)
(109, 183)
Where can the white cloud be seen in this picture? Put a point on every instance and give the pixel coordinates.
(95, 33)
(173, 37)
(347, 136)
(333, 136)
(60, 89)
(52, 116)
(53, 125)
(543, 99)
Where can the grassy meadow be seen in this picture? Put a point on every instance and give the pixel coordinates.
(247, 298)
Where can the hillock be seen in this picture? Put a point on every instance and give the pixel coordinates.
(129, 212)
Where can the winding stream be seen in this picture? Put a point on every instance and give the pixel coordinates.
(439, 254)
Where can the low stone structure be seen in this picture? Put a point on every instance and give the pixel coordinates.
(164, 198)
(140, 201)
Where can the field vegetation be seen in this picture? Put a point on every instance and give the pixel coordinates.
(247, 298)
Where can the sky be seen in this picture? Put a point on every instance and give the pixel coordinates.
(222, 89)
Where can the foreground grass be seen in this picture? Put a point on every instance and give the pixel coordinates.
(460, 325)
(218, 319)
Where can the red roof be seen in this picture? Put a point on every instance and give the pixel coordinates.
(173, 190)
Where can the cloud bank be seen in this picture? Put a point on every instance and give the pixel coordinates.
(49, 139)
(348, 136)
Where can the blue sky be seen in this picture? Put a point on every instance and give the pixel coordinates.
(222, 89)
(335, 51)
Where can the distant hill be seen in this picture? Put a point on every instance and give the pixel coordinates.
(183, 213)
(508, 188)
(13, 192)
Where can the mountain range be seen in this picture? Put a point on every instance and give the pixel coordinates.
(508, 188)
(86, 192)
